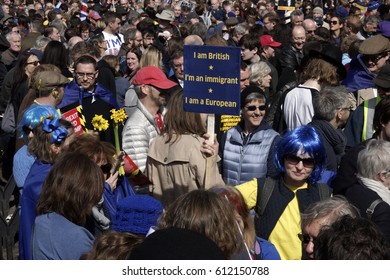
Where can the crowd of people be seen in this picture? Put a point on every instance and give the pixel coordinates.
(109, 165)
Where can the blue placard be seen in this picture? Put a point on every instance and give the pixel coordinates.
(212, 79)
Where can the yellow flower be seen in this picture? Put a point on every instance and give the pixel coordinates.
(99, 123)
(118, 116)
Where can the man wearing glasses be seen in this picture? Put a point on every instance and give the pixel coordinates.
(94, 98)
(321, 214)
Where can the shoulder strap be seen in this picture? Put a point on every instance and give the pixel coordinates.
(370, 210)
(266, 192)
(324, 191)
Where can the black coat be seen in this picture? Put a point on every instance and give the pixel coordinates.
(362, 197)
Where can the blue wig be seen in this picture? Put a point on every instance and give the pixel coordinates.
(34, 114)
(305, 138)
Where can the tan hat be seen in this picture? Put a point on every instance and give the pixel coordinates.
(47, 80)
(374, 45)
(166, 15)
(231, 21)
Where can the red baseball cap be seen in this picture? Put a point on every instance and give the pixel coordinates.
(94, 15)
(268, 41)
(151, 75)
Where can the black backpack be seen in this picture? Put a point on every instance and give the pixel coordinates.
(268, 187)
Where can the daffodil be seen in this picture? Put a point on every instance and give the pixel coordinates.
(118, 116)
(100, 123)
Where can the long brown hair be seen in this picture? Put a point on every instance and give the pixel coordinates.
(208, 214)
(40, 144)
(178, 122)
(73, 186)
(237, 201)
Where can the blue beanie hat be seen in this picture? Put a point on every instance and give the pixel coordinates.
(372, 6)
(342, 12)
(136, 214)
(219, 14)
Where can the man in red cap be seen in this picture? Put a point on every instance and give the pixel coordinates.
(144, 121)
(267, 54)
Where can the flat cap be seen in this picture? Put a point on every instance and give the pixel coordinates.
(374, 45)
(47, 80)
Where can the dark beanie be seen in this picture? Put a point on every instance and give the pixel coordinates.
(248, 90)
(177, 244)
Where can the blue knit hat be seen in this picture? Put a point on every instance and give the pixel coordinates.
(384, 28)
(137, 213)
(372, 6)
(342, 12)
(219, 14)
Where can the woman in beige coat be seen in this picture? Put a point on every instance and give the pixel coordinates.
(178, 158)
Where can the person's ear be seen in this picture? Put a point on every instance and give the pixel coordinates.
(96, 74)
(382, 176)
(55, 149)
(55, 93)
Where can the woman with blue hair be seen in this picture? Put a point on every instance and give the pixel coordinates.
(23, 160)
(300, 159)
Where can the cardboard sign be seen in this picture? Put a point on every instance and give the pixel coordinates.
(212, 79)
(77, 119)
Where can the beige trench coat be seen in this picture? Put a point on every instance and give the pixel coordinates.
(180, 167)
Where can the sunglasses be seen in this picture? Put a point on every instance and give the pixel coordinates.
(253, 108)
(305, 238)
(35, 63)
(375, 58)
(106, 168)
(225, 31)
(334, 22)
(294, 160)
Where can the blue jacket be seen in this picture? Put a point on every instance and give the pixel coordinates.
(74, 93)
(57, 238)
(245, 158)
(358, 77)
(29, 201)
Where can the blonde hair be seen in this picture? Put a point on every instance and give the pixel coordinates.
(151, 57)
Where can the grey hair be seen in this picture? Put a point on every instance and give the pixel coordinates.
(129, 34)
(296, 13)
(9, 34)
(332, 208)
(41, 42)
(374, 159)
(254, 96)
(241, 28)
(57, 23)
(258, 71)
(372, 19)
(329, 101)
